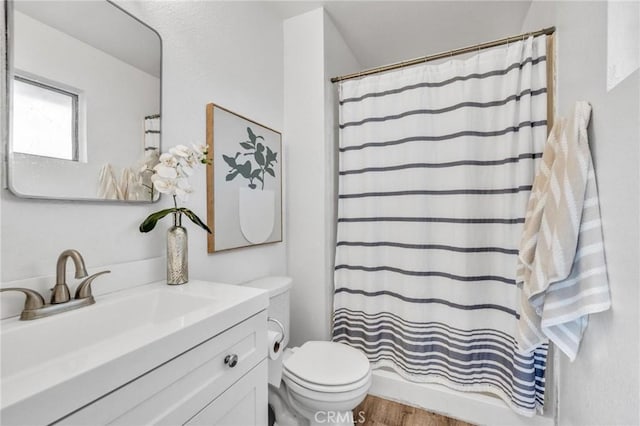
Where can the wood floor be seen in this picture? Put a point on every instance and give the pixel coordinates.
(374, 411)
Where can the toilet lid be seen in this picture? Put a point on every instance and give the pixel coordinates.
(327, 364)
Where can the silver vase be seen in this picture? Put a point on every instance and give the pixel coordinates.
(177, 253)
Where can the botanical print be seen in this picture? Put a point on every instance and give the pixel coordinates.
(264, 161)
(244, 182)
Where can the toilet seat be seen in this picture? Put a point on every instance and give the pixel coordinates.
(291, 379)
(327, 367)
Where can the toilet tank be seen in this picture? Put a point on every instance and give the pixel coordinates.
(278, 288)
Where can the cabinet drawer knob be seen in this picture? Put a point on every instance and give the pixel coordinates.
(231, 360)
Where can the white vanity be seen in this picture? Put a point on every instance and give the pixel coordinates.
(154, 354)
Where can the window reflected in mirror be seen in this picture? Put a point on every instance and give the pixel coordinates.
(45, 120)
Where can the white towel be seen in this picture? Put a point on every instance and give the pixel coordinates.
(129, 186)
(108, 184)
(561, 263)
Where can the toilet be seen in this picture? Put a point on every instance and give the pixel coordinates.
(318, 383)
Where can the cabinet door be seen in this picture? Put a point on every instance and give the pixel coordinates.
(177, 390)
(243, 404)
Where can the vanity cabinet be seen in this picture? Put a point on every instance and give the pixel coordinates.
(245, 403)
(202, 386)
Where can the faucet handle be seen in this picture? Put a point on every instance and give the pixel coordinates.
(33, 301)
(84, 288)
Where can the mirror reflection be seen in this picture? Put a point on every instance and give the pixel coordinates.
(85, 116)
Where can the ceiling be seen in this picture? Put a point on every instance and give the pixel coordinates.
(384, 32)
(378, 32)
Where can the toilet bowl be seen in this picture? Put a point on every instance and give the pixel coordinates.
(325, 381)
(321, 382)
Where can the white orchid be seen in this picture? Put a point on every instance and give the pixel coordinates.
(168, 160)
(201, 152)
(175, 167)
(187, 169)
(180, 151)
(183, 189)
(165, 171)
(171, 177)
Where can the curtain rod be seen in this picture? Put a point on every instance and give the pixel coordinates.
(416, 61)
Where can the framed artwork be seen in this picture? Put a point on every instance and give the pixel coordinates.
(244, 181)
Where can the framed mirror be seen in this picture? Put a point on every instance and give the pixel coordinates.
(84, 90)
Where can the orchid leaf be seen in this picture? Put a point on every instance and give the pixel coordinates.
(195, 219)
(150, 222)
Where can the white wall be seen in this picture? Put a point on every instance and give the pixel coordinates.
(229, 53)
(601, 386)
(338, 60)
(313, 52)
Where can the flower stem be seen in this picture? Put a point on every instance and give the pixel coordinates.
(177, 215)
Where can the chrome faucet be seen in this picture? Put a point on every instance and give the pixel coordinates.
(34, 305)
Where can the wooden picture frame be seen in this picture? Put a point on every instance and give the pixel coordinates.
(244, 181)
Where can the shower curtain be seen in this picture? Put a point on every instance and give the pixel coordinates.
(436, 167)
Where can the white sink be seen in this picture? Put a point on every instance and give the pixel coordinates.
(93, 350)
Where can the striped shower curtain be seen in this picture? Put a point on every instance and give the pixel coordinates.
(436, 167)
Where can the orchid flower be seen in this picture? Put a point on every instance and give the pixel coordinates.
(171, 177)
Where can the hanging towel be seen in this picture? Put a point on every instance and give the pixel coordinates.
(561, 262)
(108, 184)
(129, 187)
